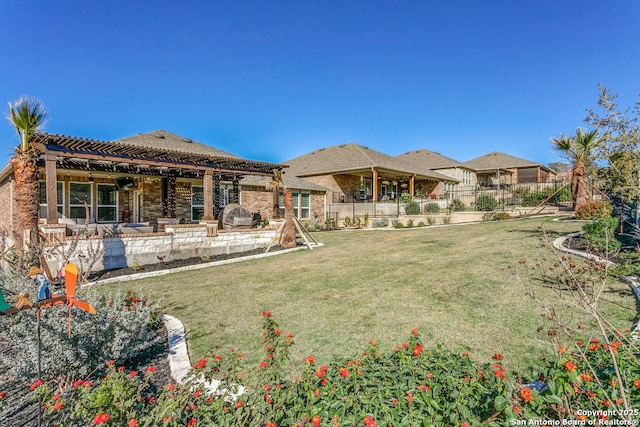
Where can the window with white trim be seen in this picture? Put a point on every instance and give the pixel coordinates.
(301, 204)
(197, 202)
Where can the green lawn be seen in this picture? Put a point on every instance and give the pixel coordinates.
(452, 283)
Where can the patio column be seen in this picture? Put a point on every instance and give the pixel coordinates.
(170, 194)
(236, 191)
(375, 185)
(51, 188)
(208, 195)
(216, 195)
(412, 181)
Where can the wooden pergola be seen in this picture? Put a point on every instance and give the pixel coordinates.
(65, 152)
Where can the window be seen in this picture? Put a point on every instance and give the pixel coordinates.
(107, 203)
(79, 194)
(43, 198)
(197, 203)
(301, 205)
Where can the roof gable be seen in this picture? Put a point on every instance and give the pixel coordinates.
(353, 157)
(164, 140)
(429, 159)
(497, 160)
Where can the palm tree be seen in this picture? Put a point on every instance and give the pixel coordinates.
(289, 231)
(27, 115)
(579, 150)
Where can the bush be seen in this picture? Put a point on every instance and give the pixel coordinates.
(496, 216)
(415, 384)
(486, 202)
(396, 224)
(412, 208)
(431, 220)
(380, 223)
(601, 234)
(431, 208)
(421, 224)
(410, 223)
(456, 205)
(120, 330)
(594, 209)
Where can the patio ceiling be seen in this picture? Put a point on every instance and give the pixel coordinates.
(89, 154)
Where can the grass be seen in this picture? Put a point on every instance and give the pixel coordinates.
(455, 284)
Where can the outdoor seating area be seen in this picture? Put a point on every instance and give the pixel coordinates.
(77, 226)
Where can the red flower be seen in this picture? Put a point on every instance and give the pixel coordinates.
(152, 369)
(197, 393)
(266, 314)
(77, 383)
(192, 422)
(263, 365)
(316, 392)
(3, 395)
(465, 425)
(369, 421)
(637, 383)
(218, 358)
(239, 404)
(36, 384)
(417, 350)
(170, 386)
(569, 366)
(415, 332)
(110, 362)
(133, 374)
(271, 424)
(344, 372)
(498, 356)
(587, 377)
(57, 406)
(201, 363)
(86, 384)
(311, 360)
(320, 373)
(410, 397)
(133, 423)
(500, 373)
(525, 394)
(316, 420)
(101, 418)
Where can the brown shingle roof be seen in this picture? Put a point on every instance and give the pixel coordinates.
(429, 159)
(498, 160)
(291, 181)
(164, 140)
(353, 157)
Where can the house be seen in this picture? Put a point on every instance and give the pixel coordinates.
(355, 173)
(137, 179)
(498, 168)
(465, 175)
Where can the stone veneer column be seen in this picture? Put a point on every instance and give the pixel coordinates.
(216, 196)
(235, 197)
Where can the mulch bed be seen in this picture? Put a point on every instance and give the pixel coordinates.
(167, 265)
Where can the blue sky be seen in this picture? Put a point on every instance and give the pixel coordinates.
(272, 80)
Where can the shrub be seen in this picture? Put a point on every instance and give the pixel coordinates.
(594, 209)
(456, 205)
(421, 224)
(330, 224)
(380, 223)
(410, 223)
(409, 385)
(486, 202)
(347, 221)
(431, 220)
(431, 208)
(446, 220)
(397, 224)
(120, 330)
(412, 208)
(601, 234)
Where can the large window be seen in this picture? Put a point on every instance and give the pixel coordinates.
(43, 198)
(107, 203)
(79, 195)
(197, 203)
(301, 205)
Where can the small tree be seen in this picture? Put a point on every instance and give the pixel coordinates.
(579, 150)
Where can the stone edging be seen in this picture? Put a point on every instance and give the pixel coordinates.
(559, 245)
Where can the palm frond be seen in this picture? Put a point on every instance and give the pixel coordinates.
(27, 115)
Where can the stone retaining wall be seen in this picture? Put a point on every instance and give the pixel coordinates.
(177, 242)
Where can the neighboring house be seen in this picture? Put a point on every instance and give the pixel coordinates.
(355, 173)
(445, 165)
(138, 179)
(500, 168)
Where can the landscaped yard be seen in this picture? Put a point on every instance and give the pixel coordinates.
(453, 283)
